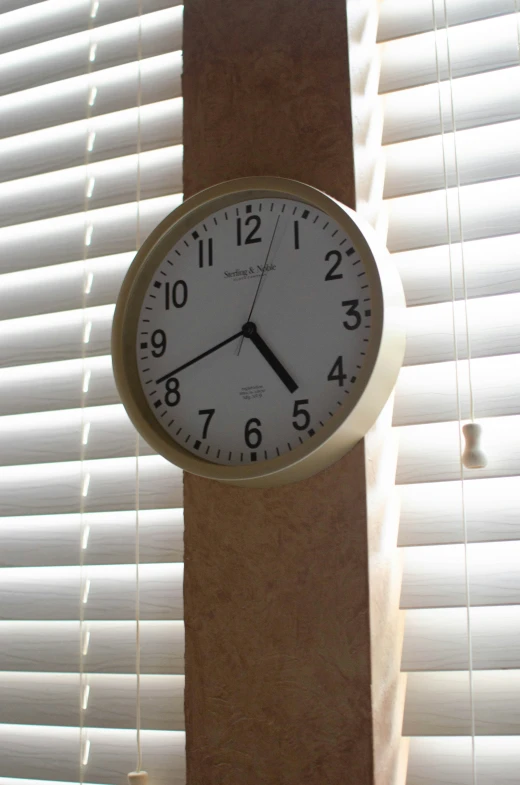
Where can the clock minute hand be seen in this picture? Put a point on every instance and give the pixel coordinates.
(199, 357)
(249, 331)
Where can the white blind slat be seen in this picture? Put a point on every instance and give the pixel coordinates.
(493, 323)
(62, 239)
(486, 45)
(51, 752)
(423, 397)
(90, 162)
(42, 489)
(490, 152)
(491, 266)
(433, 760)
(62, 287)
(52, 646)
(437, 639)
(59, 385)
(109, 700)
(111, 136)
(31, 24)
(103, 184)
(480, 99)
(114, 89)
(104, 47)
(431, 513)
(102, 432)
(434, 577)
(52, 593)
(37, 540)
(439, 703)
(399, 19)
(57, 336)
(431, 452)
(450, 95)
(487, 209)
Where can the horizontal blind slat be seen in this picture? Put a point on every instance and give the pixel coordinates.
(474, 48)
(109, 702)
(431, 513)
(54, 646)
(95, 50)
(52, 752)
(97, 185)
(426, 394)
(398, 19)
(110, 136)
(493, 324)
(63, 287)
(62, 239)
(107, 592)
(475, 155)
(114, 89)
(481, 99)
(437, 639)
(43, 489)
(431, 453)
(40, 540)
(50, 386)
(58, 336)
(433, 760)
(491, 267)
(31, 24)
(91, 432)
(487, 210)
(435, 576)
(439, 703)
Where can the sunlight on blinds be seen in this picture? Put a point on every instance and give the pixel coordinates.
(90, 162)
(441, 91)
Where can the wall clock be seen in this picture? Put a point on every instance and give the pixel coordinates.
(258, 332)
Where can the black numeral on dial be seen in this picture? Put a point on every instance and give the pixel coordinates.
(158, 343)
(296, 236)
(252, 435)
(176, 295)
(332, 275)
(253, 223)
(208, 413)
(203, 253)
(173, 395)
(352, 312)
(299, 410)
(336, 372)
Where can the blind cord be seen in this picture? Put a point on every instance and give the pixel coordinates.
(456, 357)
(84, 745)
(138, 777)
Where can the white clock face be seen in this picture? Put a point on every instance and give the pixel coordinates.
(253, 331)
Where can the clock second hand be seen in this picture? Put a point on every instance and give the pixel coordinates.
(260, 281)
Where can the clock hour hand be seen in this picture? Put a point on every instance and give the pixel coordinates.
(249, 331)
(199, 357)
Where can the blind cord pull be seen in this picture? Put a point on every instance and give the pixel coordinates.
(473, 456)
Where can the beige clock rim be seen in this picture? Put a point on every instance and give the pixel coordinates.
(375, 380)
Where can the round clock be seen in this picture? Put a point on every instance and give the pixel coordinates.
(258, 332)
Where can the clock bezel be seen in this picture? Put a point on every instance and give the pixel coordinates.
(375, 381)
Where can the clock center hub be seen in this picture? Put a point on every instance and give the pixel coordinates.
(249, 329)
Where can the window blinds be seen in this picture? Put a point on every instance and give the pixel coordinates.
(90, 162)
(449, 98)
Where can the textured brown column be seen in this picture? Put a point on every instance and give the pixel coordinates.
(278, 676)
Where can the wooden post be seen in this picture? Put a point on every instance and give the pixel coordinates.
(278, 655)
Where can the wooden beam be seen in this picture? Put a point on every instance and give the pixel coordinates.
(278, 654)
